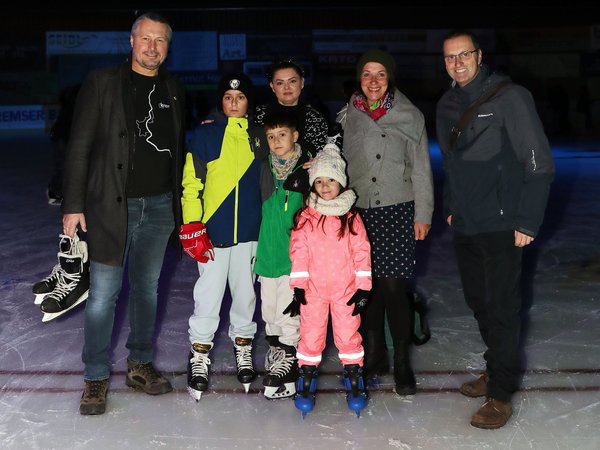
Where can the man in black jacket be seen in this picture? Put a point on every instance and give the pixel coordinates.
(122, 185)
(498, 174)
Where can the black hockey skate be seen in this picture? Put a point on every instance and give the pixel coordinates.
(272, 352)
(47, 285)
(356, 395)
(72, 287)
(198, 372)
(242, 349)
(307, 388)
(280, 380)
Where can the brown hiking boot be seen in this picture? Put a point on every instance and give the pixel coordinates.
(146, 378)
(476, 388)
(93, 400)
(492, 414)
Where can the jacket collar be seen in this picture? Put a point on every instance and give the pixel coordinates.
(483, 82)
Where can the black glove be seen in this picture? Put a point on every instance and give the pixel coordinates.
(294, 307)
(359, 299)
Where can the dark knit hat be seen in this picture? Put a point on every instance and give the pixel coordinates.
(379, 56)
(237, 81)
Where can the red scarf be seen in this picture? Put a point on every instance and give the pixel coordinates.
(379, 108)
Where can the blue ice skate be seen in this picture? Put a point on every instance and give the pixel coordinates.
(307, 386)
(356, 395)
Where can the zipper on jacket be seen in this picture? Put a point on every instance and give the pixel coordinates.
(499, 191)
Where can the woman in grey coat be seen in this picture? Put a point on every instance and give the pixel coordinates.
(385, 144)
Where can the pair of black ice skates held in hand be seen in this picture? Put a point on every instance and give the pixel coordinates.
(67, 285)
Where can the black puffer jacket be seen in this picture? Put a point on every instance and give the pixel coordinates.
(498, 175)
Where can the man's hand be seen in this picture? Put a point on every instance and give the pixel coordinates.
(70, 222)
(521, 239)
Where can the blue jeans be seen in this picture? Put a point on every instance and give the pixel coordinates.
(149, 225)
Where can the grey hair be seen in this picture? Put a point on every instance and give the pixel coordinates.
(154, 17)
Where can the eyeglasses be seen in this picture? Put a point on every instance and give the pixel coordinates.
(462, 56)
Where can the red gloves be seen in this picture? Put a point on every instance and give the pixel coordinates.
(195, 241)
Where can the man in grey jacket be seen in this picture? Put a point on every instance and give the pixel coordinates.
(122, 185)
(498, 174)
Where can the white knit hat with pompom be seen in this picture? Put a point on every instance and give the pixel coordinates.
(328, 163)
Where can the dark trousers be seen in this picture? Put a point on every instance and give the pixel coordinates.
(389, 296)
(490, 271)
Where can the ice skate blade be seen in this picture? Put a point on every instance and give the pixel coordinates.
(39, 298)
(51, 316)
(196, 395)
(246, 387)
(284, 391)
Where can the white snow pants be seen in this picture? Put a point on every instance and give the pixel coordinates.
(275, 296)
(232, 265)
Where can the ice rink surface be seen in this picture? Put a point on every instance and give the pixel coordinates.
(41, 373)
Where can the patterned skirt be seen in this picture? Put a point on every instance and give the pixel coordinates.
(392, 234)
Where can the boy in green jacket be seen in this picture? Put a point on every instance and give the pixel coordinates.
(284, 181)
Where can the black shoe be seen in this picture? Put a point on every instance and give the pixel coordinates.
(54, 198)
(404, 378)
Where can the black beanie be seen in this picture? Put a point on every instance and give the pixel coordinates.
(237, 81)
(379, 56)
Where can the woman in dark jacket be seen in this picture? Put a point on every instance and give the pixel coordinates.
(286, 79)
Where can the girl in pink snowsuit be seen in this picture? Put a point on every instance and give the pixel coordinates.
(331, 264)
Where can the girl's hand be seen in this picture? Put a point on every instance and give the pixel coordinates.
(294, 307)
(359, 300)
